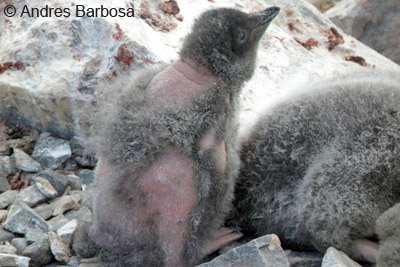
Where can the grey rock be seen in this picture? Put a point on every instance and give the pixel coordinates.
(56, 179)
(304, 259)
(74, 181)
(19, 243)
(45, 187)
(264, 251)
(5, 235)
(84, 214)
(32, 196)
(8, 249)
(70, 165)
(4, 185)
(7, 166)
(7, 198)
(13, 260)
(336, 258)
(324, 5)
(3, 215)
(86, 161)
(57, 222)
(64, 203)
(66, 231)
(44, 210)
(39, 252)
(24, 162)
(87, 178)
(87, 197)
(59, 248)
(33, 236)
(21, 218)
(373, 22)
(51, 152)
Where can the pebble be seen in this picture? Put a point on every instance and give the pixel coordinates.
(8, 249)
(51, 152)
(336, 258)
(66, 231)
(83, 215)
(21, 218)
(7, 198)
(13, 260)
(3, 215)
(74, 181)
(31, 196)
(45, 187)
(58, 221)
(7, 166)
(24, 162)
(4, 185)
(5, 235)
(20, 243)
(44, 210)
(64, 203)
(56, 179)
(39, 252)
(87, 178)
(304, 259)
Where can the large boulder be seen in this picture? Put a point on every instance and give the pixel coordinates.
(50, 67)
(375, 23)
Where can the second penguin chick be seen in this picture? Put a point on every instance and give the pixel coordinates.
(167, 148)
(321, 166)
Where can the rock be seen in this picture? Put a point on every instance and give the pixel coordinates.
(304, 259)
(14, 260)
(66, 231)
(44, 210)
(263, 251)
(7, 166)
(24, 162)
(70, 165)
(4, 185)
(373, 22)
(86, 161)
(87, 178)
(324, 5)
(39, 252)
(65, 203)
(59, 248)
(7, 198)
(5, 236)
(3, 215)
(84, 214)
(336, 258)
(21, 218)
(75, 182)
(51, 152)
(45, 187)
(8, 249)
(19, 243)
(87, 197)
(58, 221)
(31, 196)
(33, 236)
(56, 179)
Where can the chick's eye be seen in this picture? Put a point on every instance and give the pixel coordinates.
(242, 37)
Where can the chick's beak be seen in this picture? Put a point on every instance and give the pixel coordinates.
(267, 15)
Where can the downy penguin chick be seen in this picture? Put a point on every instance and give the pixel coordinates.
(167, 148)
(321, 166)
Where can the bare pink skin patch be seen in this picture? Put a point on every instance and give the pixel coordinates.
(180, 82)
(364, 250)
(209, 140)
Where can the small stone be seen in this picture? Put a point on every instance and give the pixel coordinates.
(74, 181)
(264, 251)
(66, 231)
(7, 166)
(56, 179)
(87, 197)
(59, 248)
(84, 214)
(45, 187)
(65, 203)
(336, 258)
(70, 165)
(51, 152)
(58, 221)
(39, 252)
(24, 162)
(86, 161)
(44, 210)
(13, 260)
(31, 196)
(87, 178)
(304, 259)
(19, 243)
(8, 249)
(4, 184)
(3, 215)
(21, 218)
(33, 236)
(7, 198)
(5, 235)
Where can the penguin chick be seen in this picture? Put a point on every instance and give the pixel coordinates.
(320, 167)
(167, 152)
(388, 230)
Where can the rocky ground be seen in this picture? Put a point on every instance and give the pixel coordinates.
(45, 186)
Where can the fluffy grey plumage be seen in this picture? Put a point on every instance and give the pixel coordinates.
(321, 166)
(152, 126)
